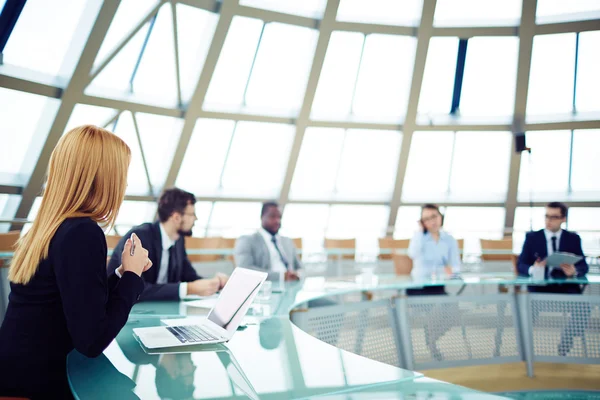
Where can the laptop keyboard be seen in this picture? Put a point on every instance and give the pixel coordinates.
(191, 334)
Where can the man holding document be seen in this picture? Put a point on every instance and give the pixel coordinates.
(555, 253)
(539, 250)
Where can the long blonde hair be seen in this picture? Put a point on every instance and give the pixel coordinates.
(87, 177)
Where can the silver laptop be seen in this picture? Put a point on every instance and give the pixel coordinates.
(222, 321)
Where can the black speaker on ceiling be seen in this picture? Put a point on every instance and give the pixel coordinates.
(520, 142)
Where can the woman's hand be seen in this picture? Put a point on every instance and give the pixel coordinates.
(139, 262)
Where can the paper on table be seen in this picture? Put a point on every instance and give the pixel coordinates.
(558, 258)
(205, 303)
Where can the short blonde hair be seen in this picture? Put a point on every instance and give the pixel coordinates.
(87, 177)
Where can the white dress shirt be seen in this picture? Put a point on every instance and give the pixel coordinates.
(276, 264)
(163, 268)
(549, 235)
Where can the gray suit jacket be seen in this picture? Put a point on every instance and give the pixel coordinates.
(251, 251)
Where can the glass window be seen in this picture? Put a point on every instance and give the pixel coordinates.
(388, 12)
(526, 219)
(8, 207)
(2, 2)
(195, 29)
(257, 160)
(160, 136)
(407, 222)
(474, 223)
(552, 74)
(365, 223)
(438, 77)
(368, 165)
(585, 184)
(317, 167)
(584, 221)
(548, 178)
(23, 129)
(233, 219)
(133, 213)
(43, 35)
(384, 77)
(588, 78)
(158, 59)
(306, 8)
(477, 13)
(84, 114)
(428, 169)
(480, 166)
(116, 76)
(490, 77)
(333, 97)
(203, 212)
(280, 73)
(574, 10)
(306, 221)
(233, 68)
(137, 183)
(129, 14)
(205, 157)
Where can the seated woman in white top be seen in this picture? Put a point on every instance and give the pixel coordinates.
(433, 251)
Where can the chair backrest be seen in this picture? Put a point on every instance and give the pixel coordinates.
(297, 243)
(460, 243)
(7, 243)
(341, 244)
(389, 243)
(194, 243)
(112, 241)
(228, 243)
(502, 244)
(403, 264)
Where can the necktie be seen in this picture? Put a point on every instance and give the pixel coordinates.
(554, 244)
(283, 259)
(172, 271)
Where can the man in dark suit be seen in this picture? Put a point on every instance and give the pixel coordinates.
(173, 277)
(540, 244)
(537, 247)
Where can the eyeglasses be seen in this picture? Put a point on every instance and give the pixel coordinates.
(432, 218)
(553, 217)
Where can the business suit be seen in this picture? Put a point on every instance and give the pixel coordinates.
(251, 252)
(69, 303)
(536, 246)
(180, 268)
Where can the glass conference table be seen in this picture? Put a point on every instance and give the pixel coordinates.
(335, 338)
(352, 338)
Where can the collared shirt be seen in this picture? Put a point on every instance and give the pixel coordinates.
(276, 264)
(549, 236)
(431, 256)
(163, 268)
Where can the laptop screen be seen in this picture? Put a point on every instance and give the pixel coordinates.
(236, 297)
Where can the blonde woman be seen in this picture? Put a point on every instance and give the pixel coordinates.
(60, 296)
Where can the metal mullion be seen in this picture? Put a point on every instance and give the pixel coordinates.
(226, 159)
(121, 45)
(258, 43)
(139, 140)
(360, 61)
(142, 51)
(461, 57)
(8, 20)
(176, 46)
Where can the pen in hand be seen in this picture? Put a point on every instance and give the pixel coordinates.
(132, 251)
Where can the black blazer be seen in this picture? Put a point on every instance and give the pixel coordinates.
(69, 303)
(535, 246)
(180, 269)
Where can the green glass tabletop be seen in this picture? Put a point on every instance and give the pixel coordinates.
(272, 359)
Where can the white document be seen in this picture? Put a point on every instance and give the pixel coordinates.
(205, 303)
(558, 258)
